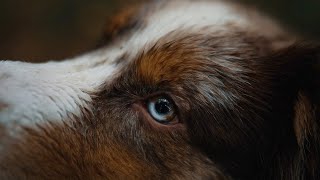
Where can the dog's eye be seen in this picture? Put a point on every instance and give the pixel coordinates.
(162, 110)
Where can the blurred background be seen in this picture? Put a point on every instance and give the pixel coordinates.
(40, 30)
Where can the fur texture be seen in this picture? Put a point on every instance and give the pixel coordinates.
(245, 93)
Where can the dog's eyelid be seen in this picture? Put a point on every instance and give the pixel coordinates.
(160, 108)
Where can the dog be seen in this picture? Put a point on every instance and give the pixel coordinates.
(175, 89)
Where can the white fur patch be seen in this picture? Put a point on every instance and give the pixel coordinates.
(56, 91)
(182, 15)
(35, 93)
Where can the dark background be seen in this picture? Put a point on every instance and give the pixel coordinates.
(302, 16)
(39, 30)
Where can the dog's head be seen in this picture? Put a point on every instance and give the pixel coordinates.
(179, 89)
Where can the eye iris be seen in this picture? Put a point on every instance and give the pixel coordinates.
(161, 109)
(163, 106)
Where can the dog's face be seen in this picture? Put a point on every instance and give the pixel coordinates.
(179, 89)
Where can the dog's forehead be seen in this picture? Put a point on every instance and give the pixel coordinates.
(57, 91)
(172, 16)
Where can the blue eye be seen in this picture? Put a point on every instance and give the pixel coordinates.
(162, 110)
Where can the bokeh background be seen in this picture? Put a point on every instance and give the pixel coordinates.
(40, 30)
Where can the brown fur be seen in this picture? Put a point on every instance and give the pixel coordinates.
(245, 109)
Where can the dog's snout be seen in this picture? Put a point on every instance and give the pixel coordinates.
(37, 93)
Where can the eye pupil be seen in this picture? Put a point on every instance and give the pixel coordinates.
(163, 106)
(161, 109)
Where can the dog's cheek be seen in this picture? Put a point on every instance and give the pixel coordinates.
(165, 149)
(55, 151)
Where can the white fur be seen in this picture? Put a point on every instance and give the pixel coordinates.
(56, 91)
(35, 93)
(184, 15)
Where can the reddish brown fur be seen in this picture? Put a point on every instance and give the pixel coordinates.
(246, 111)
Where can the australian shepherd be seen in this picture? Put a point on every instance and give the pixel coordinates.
(204, 89)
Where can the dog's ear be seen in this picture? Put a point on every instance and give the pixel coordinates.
(296, 73)
(127, 19)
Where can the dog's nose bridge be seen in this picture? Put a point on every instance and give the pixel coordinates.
(53, 91)
(35, 93)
